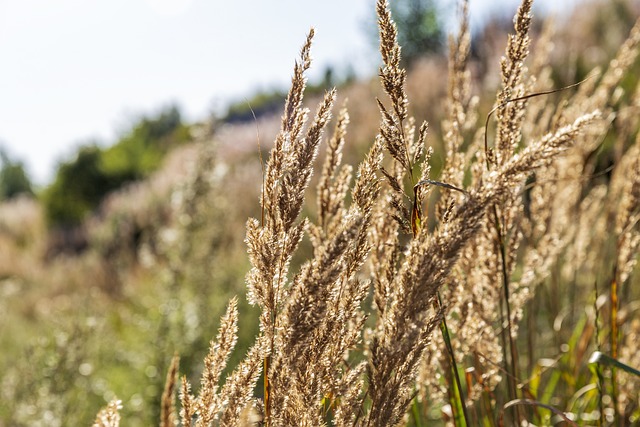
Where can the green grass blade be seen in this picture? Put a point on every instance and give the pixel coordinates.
(602, 359)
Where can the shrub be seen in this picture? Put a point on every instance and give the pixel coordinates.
(83, 182)
(13, 178)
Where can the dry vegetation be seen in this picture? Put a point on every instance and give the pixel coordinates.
(482, 273)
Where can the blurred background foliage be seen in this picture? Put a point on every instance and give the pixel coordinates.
(13, 177)
(420, 25)
(132, 252)
(81, 183)
(420, 28)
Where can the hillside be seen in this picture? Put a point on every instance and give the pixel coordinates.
(97, 311)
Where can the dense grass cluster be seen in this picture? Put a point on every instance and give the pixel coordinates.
(487, 280)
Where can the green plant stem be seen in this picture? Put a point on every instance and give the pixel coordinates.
(458, 394)
(505, 287)
(614, 341)
(597, 368)
(416, 413)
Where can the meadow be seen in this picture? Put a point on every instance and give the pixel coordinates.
(453, 244)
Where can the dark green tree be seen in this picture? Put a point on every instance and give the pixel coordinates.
(78, 187)
(13, 178)
(81, 183)
(420, 28)
(140, 150)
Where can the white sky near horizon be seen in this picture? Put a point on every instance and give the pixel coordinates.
(73, 71)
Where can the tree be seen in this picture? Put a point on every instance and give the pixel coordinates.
(82, 183)
(420, 29)
(13, 178)
(79, 186)
(141, 150)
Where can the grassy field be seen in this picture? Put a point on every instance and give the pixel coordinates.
(453, 244)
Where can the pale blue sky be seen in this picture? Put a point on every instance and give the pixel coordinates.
(73, 70)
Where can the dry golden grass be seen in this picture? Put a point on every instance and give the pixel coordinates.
(461, 274)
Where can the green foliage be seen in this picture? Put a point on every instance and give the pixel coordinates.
(13, 178)
(266, 102)
(420, 28)
(79, 186)
(263, 102)
(141, 150)
(81, 183)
